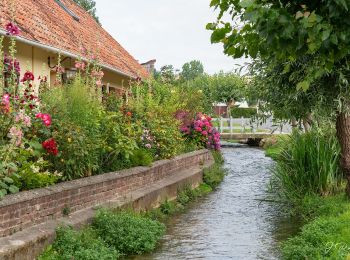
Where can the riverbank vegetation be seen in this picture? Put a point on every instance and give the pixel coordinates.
(300, 74)
(308, 180)
(114, 234)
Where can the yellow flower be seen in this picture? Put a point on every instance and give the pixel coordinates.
(69, 140)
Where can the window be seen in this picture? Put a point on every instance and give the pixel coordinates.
(65, 8)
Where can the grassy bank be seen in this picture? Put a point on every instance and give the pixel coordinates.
(307, 177)
(117, 233)
(326, 234)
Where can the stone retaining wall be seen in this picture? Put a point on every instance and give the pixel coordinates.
(26, 209)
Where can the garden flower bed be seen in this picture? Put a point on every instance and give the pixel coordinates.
(52, 134)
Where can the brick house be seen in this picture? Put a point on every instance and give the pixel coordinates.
(50, 27)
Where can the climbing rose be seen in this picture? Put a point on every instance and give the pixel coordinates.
(12, 29)
(50, 146)
(28, 76)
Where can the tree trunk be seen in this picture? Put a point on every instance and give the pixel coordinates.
(294, 122)
(343, 134)
(306, 126)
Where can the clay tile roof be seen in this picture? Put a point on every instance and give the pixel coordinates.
(46, 22)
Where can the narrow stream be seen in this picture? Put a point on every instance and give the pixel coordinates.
(234, 222)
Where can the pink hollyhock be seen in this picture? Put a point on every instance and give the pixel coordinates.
(99, 83)
(16, 135)
(11, 64)
(80, 65)
(6, 103)
(28, 76)
(50, 146)
(22, 117)
(12, 29)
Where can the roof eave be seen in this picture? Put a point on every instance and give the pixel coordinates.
(65, 53)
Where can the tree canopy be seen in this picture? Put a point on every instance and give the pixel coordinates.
(286, 30)
(192, 70)
(90, 7)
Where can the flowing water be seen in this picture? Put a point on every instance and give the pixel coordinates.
(234, 222)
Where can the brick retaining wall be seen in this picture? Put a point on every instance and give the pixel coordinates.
(26, 209)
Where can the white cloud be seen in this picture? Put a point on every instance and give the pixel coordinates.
(171, 31)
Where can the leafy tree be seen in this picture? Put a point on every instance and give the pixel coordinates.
(90, 7)
(287, 31)
(192, 70)
(167, 74)
(221, 87)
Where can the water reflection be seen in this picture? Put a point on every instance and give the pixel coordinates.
(235, 222)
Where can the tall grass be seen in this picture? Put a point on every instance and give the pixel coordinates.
(308, 164)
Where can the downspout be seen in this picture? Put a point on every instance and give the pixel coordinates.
(65, 53)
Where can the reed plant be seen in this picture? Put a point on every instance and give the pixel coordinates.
(308, 164)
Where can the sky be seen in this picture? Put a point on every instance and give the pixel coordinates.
(170, 31)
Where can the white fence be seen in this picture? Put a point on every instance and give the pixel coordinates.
(246, 125)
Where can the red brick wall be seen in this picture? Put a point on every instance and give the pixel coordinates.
(26, 209)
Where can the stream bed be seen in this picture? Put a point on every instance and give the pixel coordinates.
(234, 222)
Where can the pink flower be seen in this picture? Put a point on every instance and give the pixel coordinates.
(204, 133)
(46, 118)
(12, 29)
(80, 65)
(149, 146)
(16, 135)
(99, 83)
(6, 99)
(21, 117)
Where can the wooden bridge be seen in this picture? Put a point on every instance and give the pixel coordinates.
(242, 129)
(247, 136)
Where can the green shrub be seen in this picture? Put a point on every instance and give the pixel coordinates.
(214, 175)
(238, 112)
(30, 180)
(141, 157)
(168, 207)
(185, 195)
(127, 232)
(308, 164)
(71, 244)
(218, 157)
(76, 116)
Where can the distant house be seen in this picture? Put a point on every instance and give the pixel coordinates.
(149, 66)
(223, 109)
(50, 27)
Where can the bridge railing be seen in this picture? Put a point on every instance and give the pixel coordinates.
(246, 125)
